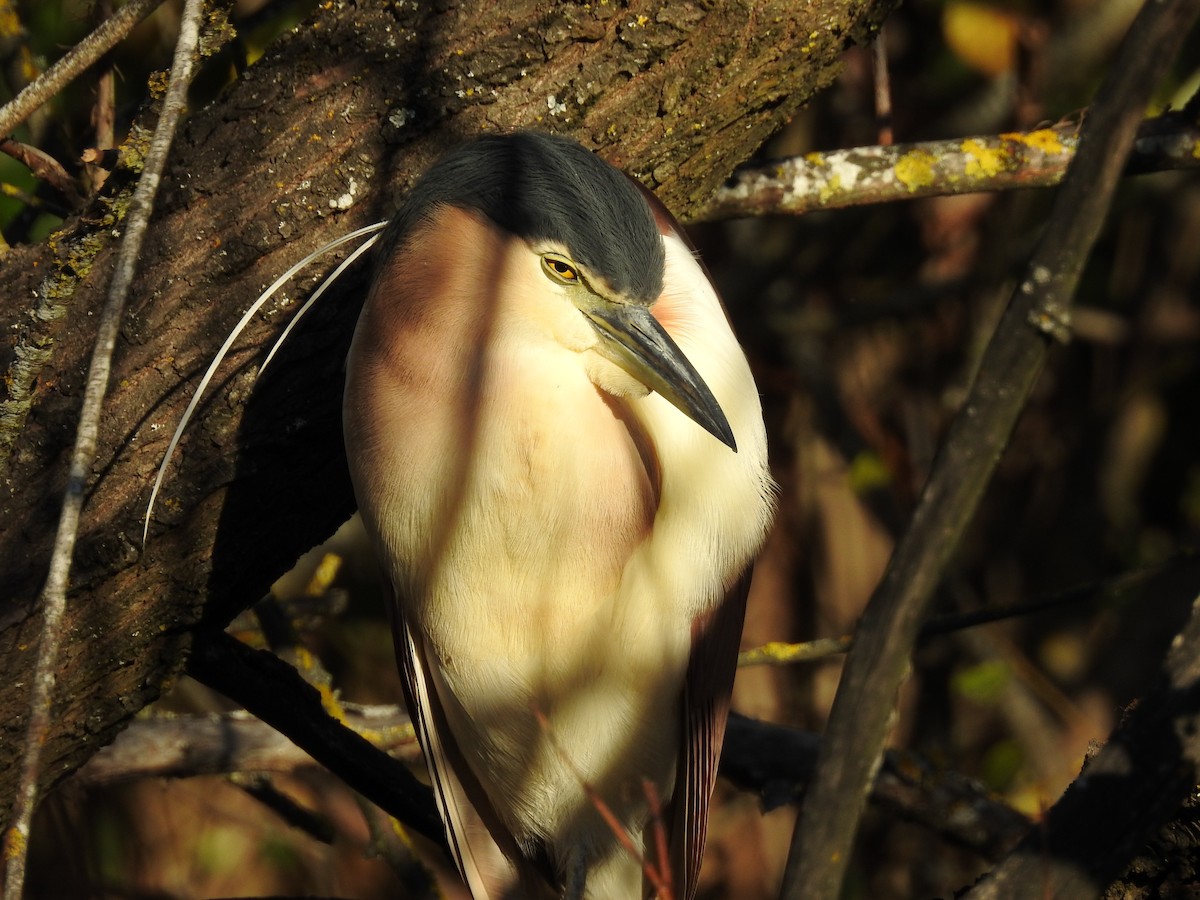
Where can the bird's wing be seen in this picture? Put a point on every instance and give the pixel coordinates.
(485, 853)
(706, 693)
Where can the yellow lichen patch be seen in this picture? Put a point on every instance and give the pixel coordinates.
(400, 831)
(1045, 140)
(308, 666)
(773, 651)
(323, 576)
(983, 161)
(831, 188)
(329, 700)
(14, 843)
(915, 169)
(1196, 150)
(390, 736)
(157, 83)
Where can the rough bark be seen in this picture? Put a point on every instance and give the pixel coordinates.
(319, 137)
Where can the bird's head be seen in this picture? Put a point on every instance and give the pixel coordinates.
(596, 241)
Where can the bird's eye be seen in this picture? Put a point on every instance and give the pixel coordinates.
(560, 270)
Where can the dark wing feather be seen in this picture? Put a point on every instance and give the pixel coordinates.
(706, 694)
(484, 851)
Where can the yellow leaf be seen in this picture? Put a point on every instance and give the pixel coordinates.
(983, 37)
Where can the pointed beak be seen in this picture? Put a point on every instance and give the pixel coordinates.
(635, 341)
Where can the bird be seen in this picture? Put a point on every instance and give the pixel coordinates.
(558, 451)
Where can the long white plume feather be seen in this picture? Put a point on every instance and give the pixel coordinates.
(241, 325)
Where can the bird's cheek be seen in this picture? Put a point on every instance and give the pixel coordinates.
(611, 378)
(571, 329)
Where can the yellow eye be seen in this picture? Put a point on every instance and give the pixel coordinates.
(559, 269)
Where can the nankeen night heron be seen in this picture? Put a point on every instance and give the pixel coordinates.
(558, 450)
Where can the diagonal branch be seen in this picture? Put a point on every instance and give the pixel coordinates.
(1038, 313)
(256, 679)
(63, 72)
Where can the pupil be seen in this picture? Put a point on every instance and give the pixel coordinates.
(561, 269)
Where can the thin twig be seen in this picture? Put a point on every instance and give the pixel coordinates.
(63, 72)
(869, 175)
(661, 887)
(656, 823)
(104, 113)
(1037, 315)
(781, 653)
(390, 841)
(42, 165)
(784, 653)
(883, 89)
(316, 826)
(54, 595)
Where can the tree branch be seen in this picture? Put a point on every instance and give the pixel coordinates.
(883, 174)
(222, 744)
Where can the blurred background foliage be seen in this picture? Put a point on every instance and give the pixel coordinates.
(864, 327)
